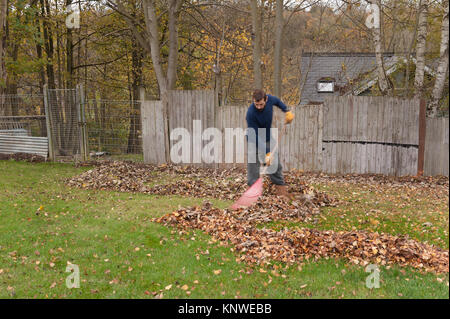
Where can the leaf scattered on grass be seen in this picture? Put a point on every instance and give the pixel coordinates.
(262, 245)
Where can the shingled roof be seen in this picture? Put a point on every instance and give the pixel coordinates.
(344, 68)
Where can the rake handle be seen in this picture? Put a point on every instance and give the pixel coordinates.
(275, 148)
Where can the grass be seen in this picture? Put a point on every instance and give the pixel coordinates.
(397, 212)
(122, 254)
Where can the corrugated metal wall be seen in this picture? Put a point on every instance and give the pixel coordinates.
(24, 144)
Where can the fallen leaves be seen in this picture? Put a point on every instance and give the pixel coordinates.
(226, 184)
(290, 246)
(32, 158)
(262, 245)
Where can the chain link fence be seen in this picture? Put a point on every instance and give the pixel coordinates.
(22, 115)
(77, 128)
(114, 128)
(63, 118)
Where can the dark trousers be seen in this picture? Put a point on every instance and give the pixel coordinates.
(253, 172)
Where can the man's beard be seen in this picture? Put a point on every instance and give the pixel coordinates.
(262, 109)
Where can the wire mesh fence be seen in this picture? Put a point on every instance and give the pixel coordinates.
(22, 115)
(63, 117)
(113, 127)
(76, 127)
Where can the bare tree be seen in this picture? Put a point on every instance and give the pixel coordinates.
(384, 83)
(3, 18)
(278, 53)
(442, 68)
(420, 48)
(148, 37)
(256, 40)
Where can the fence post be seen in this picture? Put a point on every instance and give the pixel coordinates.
(51, 151)
(143, 123)
(165, 102)
(83, 122)
(81, 133)
(422, 131)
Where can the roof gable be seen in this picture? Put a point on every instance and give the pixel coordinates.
(343, 67)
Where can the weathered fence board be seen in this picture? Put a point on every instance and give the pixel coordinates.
(436, 147)
(186, 106)
(153, 132)
(300, 145)
(381, 133)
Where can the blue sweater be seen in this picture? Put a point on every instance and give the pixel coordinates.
(263, 119)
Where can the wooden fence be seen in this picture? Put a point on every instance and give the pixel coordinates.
(153, 132)
(370, 135)
(344, 135)
(436, 147)
(301, 142)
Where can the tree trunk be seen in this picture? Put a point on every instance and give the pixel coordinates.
(256, 40)
(408, 58)
(442, 69)
(165, 81)
(42, 126)
(69, 54)
(70, 129)
(3, 23)
(151, 24)
(3, 74)
(135, 120)
(420, 48)
(383, 82)
(174, 13)
(48, 41)
(11, 81)
(278, 52)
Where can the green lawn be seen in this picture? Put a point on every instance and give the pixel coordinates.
(122, 254)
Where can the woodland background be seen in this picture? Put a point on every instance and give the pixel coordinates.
(230, 46)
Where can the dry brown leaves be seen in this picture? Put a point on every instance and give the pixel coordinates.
(262, 245)
(32, 158)
(120, 176)
(132, 177)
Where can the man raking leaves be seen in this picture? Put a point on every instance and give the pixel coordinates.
(259, 122)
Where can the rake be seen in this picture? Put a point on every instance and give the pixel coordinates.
(252, 194)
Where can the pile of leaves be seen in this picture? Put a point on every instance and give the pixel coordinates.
(263, 245)
(373, 179)
(32, 158)
(225, 184)
(228, 183)
(119, 176)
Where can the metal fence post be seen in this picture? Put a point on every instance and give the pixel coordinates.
(79, 107)
(51, 151)
(83, 121)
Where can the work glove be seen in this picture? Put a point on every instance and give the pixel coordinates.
(289, 117)
(268, 159)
